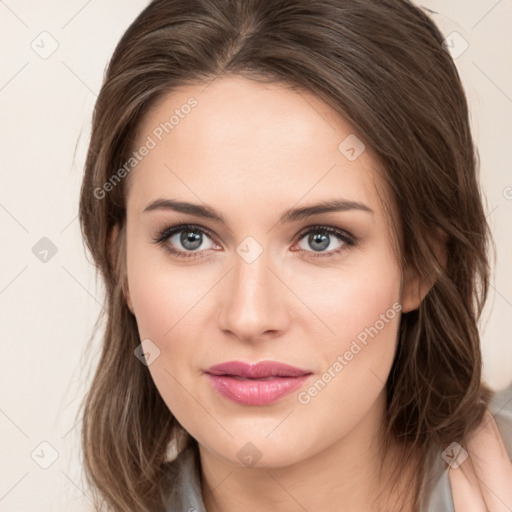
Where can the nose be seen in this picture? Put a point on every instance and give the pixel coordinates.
(254, 301)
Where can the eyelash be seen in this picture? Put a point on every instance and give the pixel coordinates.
(166, 233)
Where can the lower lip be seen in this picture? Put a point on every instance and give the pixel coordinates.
(254, 391)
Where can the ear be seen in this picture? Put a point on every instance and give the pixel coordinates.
(126, 290)
(415, 288)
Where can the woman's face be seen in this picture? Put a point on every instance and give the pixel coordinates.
(262, 285)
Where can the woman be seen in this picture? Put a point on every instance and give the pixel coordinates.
(243, 367)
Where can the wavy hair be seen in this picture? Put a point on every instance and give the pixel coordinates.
(381, 65)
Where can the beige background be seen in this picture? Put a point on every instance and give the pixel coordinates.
(48, 309)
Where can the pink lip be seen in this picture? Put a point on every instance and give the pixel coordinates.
(256, 384)
(257, 370)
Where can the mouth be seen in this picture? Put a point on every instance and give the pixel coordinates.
(256, 384)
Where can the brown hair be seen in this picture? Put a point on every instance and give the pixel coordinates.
(381, 65)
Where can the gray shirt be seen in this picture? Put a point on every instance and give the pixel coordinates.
(186, 491)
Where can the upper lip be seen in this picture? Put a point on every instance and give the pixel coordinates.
(256, 370)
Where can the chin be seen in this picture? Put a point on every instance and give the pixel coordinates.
(260, 452)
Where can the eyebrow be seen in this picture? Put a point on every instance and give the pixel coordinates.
(291, 215)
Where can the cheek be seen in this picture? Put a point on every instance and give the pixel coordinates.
(360, 292)
(356, 339)
(171, 306)
(163, 294)
(167, 306)
(356, 360)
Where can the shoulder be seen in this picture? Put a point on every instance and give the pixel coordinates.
(440, 497)
(501, 408)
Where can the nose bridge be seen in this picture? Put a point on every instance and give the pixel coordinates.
(253, 304)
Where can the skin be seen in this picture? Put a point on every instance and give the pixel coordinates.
(251, 151)
(483, 480)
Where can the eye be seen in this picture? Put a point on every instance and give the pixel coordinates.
(188, 238)
(322, 237)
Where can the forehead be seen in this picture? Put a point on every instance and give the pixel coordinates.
(251, 144)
